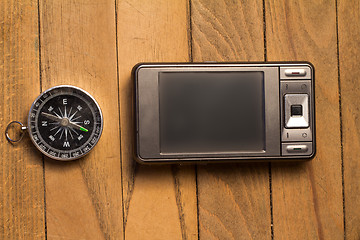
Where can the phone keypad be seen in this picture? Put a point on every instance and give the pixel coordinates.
(296, 109)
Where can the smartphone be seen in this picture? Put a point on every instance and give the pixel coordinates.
(216, 112)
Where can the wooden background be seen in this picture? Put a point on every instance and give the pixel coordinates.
(93, 44)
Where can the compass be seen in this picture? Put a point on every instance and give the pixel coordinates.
(64, 123)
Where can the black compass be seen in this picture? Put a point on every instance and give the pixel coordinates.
(65, 122)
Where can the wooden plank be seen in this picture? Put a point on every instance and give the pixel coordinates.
(349, 52)
(307, 197)
(227, 30)
(159, 201)
(21, 171)
(78, 47)
(234, 199)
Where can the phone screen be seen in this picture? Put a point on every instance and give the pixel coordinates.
(206, 112)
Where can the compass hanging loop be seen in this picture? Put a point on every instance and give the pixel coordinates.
(22, 133)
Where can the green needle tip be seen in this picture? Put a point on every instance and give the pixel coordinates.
(83, 129)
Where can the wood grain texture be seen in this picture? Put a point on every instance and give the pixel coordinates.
(234, 199)
(21, 171)
(159, 201)
(349, 56)
(227, 30)
(78, 47)
(94, 45)
(307, 197)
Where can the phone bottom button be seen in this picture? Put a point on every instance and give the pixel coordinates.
(299, 148)
(296, 148)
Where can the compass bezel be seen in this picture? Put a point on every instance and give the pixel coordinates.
(66, 155)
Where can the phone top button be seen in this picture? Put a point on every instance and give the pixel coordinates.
(295, 72)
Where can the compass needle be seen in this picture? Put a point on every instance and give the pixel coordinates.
(65, 112)
(83, 129)
(78, 127)
(50, 116)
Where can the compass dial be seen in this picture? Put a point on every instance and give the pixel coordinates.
(65, 122)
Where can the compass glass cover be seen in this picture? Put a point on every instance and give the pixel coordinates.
(65, 123)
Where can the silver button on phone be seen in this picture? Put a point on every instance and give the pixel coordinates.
(296, 148)
(296, 110)
(295, 72)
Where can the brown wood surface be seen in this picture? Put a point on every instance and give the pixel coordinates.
(159, 201)
(21, 173)
(234, 199)
(106, 195)
(349, 58)
(307, 197)
(78, 47)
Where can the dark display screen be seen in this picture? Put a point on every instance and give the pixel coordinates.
(202, 112)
